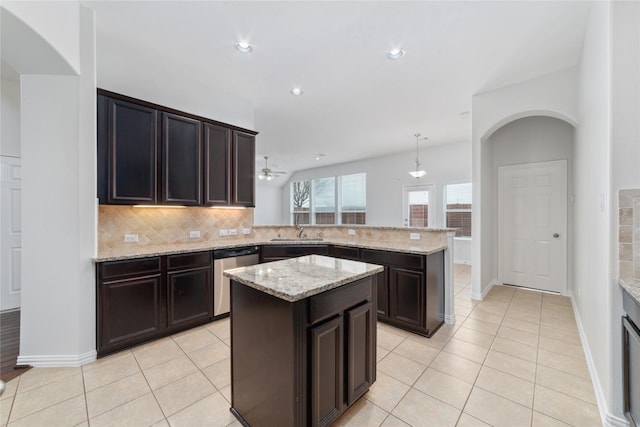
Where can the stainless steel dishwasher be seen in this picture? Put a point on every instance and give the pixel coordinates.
(225, 259)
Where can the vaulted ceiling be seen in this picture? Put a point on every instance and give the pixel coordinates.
(356, 102)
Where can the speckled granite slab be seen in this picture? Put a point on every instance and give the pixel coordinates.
(298, 278)
(422, 247)
(632, 286)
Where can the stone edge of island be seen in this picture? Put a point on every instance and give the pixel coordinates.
(319, 278)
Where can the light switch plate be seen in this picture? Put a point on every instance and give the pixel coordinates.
(246, 231)
(194, 234)
(233, 232)
(351, 232)
(130, 238)
(223, 232)
(414, 236)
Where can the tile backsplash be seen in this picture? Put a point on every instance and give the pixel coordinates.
(629, 234)
(157, 226)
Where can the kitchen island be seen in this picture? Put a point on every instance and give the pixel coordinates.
(303, 339)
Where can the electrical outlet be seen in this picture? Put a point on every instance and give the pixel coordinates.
(233, 232)
(414, 236)
(194, 234)
(130, 238)
(223, 232)
(246, 231)
(351, 232)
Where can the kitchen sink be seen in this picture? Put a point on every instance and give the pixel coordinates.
(297, 239)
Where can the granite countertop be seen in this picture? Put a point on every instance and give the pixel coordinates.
(632, 286)
(298, 278)
(419, 247)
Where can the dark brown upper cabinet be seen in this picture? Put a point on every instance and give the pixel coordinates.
(181, 160)
(244, 165)
(127, 152)
(217, 165)
(150, 154)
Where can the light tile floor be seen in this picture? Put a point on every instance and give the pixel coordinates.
(513, 359)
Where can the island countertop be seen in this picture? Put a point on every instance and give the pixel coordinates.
(298, 278)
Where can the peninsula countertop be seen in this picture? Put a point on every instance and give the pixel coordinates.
(141, 251)
(632, 286)
(298, 278)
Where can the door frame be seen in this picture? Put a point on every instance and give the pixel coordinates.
(563, 163)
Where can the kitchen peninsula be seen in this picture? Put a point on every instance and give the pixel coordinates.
(303, 339)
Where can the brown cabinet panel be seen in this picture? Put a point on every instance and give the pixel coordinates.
(181, 160)
(327, 377)
(127, 152)
(217, 165)
(280, 252)
(244, 164)
(130, 312)
(406, 296)
(360, 347)
(189, 295)
(345, 252)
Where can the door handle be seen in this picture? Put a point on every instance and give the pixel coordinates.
(556, 235)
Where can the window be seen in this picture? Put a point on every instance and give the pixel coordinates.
(300, 202)
(329, 200)
(324, 200)
(353, 200)
(458, 208)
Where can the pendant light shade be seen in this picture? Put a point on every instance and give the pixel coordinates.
(417, 173)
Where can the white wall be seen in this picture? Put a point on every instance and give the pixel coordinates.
(268, 210)
(388, 175)
(552, 95)
(10, 118)
(58, 134)
(591, 177)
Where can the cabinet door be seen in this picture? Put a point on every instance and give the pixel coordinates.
(181, 160)
(244, 164)
(406, 296)
(129, 311)
(327, 372)
(127, 148)
(359, 351)
(382, 287)
(217, 165)
(189, 295)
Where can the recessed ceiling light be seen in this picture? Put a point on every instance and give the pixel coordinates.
(296, 91)
(395, 54)
(244, 47)
(319, 156)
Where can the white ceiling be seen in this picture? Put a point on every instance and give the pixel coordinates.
(357, 103)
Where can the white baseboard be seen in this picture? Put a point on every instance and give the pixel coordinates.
(607, 418)
(485, 292)
(450, 319)
(462, 261)
(54, 361)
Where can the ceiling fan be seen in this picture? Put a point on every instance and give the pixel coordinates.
(267, 173)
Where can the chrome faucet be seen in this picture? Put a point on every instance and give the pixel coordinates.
(300, 230)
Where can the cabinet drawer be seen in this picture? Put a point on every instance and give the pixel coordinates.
(396, 259)
(290, 251)
(198, 259)
(346, 252)
(330, 303)
(133, 267)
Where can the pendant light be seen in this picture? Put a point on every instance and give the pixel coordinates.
(417, 173)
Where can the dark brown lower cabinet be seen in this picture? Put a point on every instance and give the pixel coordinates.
(410, 290)
(271, 253)
(143, 299)
(302, 363)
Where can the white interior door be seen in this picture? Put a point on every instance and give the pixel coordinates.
(532, 217)
(416, 206)
(10, 232)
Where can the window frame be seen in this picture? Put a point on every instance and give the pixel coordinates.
(445, 210)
